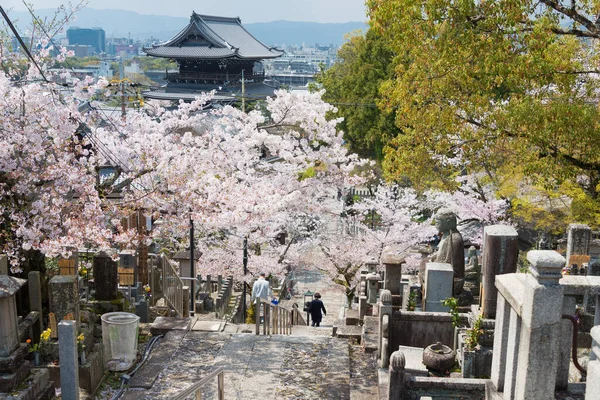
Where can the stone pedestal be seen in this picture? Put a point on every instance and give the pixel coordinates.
(106, 277)
(438, 286)
(64, 297)
(500, 254)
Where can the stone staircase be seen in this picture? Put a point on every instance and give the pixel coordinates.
(256, 367)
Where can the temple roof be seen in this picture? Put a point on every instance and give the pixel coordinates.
(208, 37)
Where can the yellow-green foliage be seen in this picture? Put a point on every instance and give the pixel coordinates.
(250, 319)
(494, 85)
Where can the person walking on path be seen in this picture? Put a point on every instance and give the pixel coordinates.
(315, 310)
(261, 289)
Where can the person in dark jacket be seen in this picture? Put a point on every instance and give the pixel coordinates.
(315, 310)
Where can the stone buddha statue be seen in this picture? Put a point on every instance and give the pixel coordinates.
(451, 248)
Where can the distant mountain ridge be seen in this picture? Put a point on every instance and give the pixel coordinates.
(121, 23)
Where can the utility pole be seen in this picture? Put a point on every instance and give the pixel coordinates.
(122, 87)
(192, 267)
(245, 262)
(243, 93)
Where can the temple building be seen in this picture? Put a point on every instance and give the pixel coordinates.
(214, 53)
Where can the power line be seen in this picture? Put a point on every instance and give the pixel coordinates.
(14, 30)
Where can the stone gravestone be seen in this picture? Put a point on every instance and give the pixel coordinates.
(183, 258)
(578, 242)
(392, 265)
(14, 369)
(64, 298)
(3, 264)
(500, 254)
(9, 326)
(438, 286)
(106, 277)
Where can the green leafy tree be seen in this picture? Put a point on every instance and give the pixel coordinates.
(501, 88)
(353, 85)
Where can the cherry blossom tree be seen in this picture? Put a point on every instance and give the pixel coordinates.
(403, 223)
(235, 174)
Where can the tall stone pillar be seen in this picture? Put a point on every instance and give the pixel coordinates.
(69, 366)
(500, 254)
(35, 297)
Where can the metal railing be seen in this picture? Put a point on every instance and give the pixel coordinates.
(196, 388)
(172, 287)
(276, 319)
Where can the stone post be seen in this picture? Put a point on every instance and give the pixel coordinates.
(396, 373)
(385, 319)
(64, 297)
(208, 284)
(9, 326)
(438, 286)
(500, 253)
(566, 344)
(578, 241)
(35, 299)
(593, 372)
(589, 301)
(106, 277)
(528, 329)
(67, 353)
(596, 339)
(373, 279)
(219, 283)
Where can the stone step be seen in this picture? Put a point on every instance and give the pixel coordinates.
(256, 367)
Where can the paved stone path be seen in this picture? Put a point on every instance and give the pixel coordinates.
(332, 295)
(309, 364)
(256, 367)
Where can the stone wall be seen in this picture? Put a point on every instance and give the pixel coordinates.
(420, 329)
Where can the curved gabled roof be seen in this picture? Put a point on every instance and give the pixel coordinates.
(210, 37)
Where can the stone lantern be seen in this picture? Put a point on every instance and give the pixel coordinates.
(372, 287)
(9, 325)
(371, 266)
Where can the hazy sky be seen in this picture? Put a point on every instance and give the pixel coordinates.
(248, 10)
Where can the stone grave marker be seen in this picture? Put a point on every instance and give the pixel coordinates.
(106, 277)
(64, 297)
(3, 264)
(578, 243)
(438, 286)
(500, 254)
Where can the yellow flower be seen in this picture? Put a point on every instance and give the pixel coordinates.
(45, 336)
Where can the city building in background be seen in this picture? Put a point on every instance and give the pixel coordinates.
(94, 37)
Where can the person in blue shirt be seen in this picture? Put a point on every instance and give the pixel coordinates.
(315, 310)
